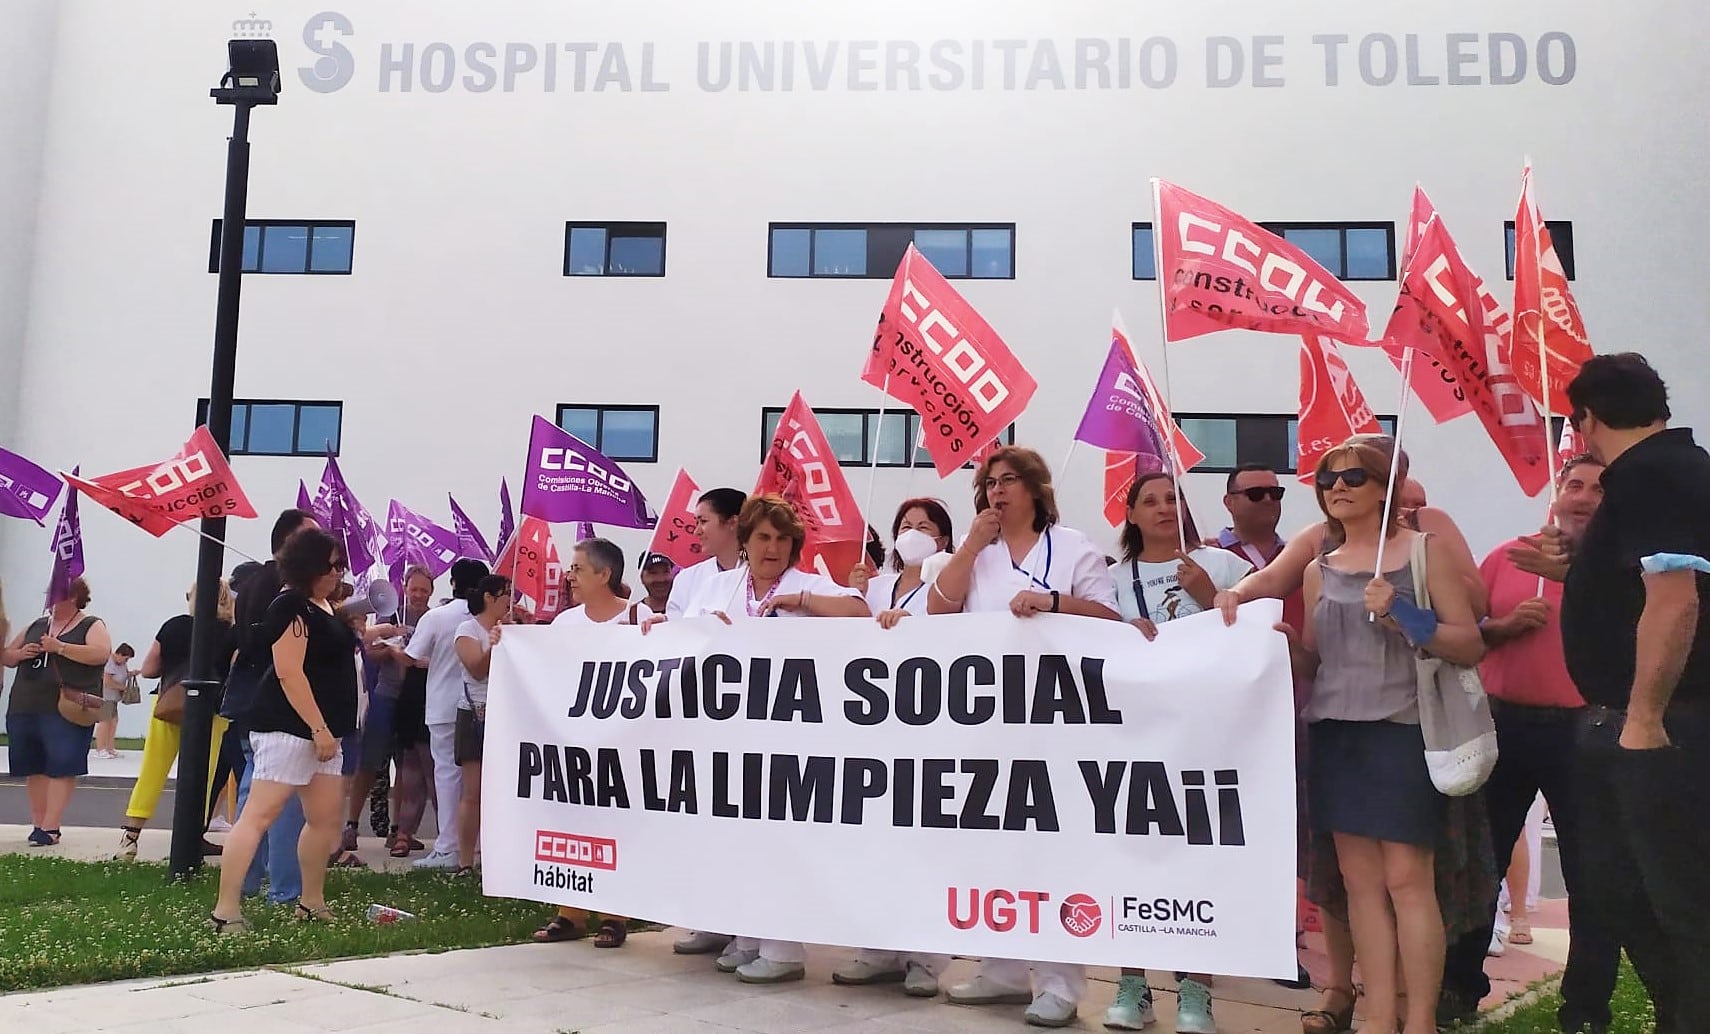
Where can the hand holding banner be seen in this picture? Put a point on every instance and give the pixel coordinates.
(675, 534)
(569, 480)
(26, 490)
(196, 482)
(1221, 270)
(1332, 408)
(935, 353)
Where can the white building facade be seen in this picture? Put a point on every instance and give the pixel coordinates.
(659, 220)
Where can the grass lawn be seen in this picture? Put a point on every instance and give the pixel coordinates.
(1631, 1008)
(65, 922)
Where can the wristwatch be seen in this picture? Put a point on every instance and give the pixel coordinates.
(1056, 602)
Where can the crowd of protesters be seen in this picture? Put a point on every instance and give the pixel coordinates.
(1589, 636)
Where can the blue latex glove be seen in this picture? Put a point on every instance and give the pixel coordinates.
(1657, 563)
(1418, 625)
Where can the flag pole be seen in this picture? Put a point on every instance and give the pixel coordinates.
(1164, 326)
(873, 477)
(1534, 217)
(1394, 464)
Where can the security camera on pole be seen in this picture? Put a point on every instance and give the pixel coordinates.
(252, 79)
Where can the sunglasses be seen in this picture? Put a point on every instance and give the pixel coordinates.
(1274, 493)
(1353, 477)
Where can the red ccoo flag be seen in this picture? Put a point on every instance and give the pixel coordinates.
(1332, 407)
(1221, 270)
(1440, 313)
(1547, 322)
(801, 467)
(196, 482)
(674, 536)
(934, 352)
(527, 560)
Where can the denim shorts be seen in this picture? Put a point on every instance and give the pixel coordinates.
(46, 744)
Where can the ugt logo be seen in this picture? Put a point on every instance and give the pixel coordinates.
(336, 65)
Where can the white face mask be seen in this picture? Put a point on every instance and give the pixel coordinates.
(914, 546)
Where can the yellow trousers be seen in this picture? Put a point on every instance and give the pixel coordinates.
(160, 750)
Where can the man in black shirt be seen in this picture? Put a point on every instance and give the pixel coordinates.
(1637, 644)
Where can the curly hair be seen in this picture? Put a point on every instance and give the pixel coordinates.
(776, 511)
(1031, 468)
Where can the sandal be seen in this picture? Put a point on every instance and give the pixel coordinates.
(346, 860)
(400, 847)
(222, 926)
(1330, 1021)
(303, 913)
(559, 929)
(40, 837)
(612, 934)
(1519, 928)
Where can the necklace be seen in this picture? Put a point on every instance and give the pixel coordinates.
(68, 626)
(755, 606)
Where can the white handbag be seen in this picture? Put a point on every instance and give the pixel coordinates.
(1454, 713)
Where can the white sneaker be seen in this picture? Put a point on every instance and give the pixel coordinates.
(700, 942)
(920, 983)
(768, 971)
(733, 960)
(1498, 943)
(218, 824)
(1132, 1009)
(861, 971)
(1048, 1010)
(436, 860)
(981, 991)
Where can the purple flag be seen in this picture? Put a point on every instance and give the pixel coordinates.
(1118, 417)
(348, 520)
(569, 480)
(469, 541)
(507, 515)
(413, 539)
(304, 503)
(26, 490)
(67, 549)
(584, 530)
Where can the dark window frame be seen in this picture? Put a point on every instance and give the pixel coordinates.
(1386, 420)
(308, 225)
(1280, 228)
(614, 229)
(911, 433)
(600, 412)
(298, 405)
(914, 228)
(1561, 235)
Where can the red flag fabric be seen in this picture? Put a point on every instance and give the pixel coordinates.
(1569, 445)
(801, 467)
(1547, 322)
(1332, 408)
(1120, 470)
(1432, 383)
(674, 536)
(934, 352)
(527, 559)
(1440, 313)
(1221, 270)
(196, 482)
(984, 451)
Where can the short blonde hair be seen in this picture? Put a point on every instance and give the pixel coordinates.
(225, 610)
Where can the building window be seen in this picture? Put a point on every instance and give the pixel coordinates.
(1145, 259)
(1350, 251)
(1561, 235)
(614, 249)
(322, 246)
(620, 432)
(960, 251)
(857, 440)
(1231, 439)
(281, 427)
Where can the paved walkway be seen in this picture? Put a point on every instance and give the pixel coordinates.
(574, 987)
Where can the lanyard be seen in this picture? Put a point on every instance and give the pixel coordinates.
(1139, 591)
(911, 594)
(1033, 579)
(752, 605)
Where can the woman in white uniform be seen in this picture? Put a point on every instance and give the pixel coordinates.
(1157, 582)
(1018, 558)
(921, 531)
(768, 583)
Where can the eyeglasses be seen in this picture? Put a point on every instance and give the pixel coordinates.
(1005, 481)
(1273, 492)
(1353, 477)
(340, 565)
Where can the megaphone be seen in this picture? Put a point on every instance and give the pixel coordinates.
(382, 598)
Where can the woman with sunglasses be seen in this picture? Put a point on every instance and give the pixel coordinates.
(302, 709)
(476, 638)
(1157, 582)
(1018, 558)
(1367, 784)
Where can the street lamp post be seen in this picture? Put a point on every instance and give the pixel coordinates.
(253, 78)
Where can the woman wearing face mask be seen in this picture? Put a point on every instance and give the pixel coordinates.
(1157, 582)
(920, 530)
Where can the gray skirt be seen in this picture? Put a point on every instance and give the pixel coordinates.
(1368, 779)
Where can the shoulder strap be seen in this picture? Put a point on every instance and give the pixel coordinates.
(1139, 590)
(1421, 587)
(632, 610)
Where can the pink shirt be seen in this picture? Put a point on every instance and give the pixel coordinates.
(1530, 670)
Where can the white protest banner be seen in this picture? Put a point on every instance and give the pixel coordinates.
(1056, 788)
